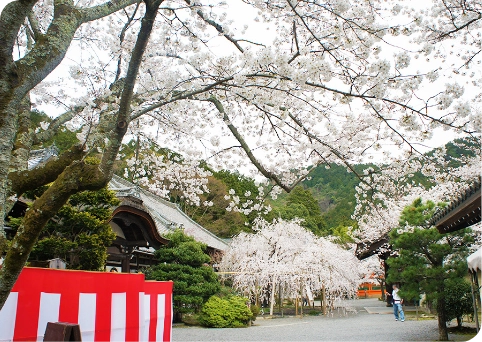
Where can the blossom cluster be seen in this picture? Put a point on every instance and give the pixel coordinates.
(282, 254)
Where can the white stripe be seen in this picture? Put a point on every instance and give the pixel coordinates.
(172, 316)
(161, 313)
(118, 317)
(144, 316)
(48, 312)
(7, 317)
(86, 319)
(141, 315)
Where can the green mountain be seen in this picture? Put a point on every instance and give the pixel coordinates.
(325, 200)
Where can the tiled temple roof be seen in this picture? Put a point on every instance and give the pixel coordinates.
(166, 215)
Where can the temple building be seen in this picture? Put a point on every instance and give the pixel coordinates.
(462, 212)
(141, 223)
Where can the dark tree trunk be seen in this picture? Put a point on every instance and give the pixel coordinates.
(459, 322)
(442, 320)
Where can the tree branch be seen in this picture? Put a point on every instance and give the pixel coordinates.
(217, 26)
(128, 89)
(245, 146)
(107, 8)
(31, 179)
(36, 33)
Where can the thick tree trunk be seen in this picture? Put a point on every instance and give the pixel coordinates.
(79, 175)
(75, 178)
(19, 77)
(442, 320)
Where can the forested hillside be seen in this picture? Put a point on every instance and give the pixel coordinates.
(325, 201)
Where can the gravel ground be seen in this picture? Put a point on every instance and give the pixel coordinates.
(343, 325)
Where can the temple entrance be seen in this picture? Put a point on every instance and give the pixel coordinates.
(136, 240)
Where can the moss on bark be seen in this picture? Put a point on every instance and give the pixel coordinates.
(75, 178)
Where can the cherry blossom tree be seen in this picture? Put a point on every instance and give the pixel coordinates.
(333, 81)
(374, 272)
(284, 256)
(382, 196)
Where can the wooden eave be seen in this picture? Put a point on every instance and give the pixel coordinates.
(461, 213)
(149, 225)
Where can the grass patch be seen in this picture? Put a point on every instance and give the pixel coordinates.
(190, 319)
(466, 331)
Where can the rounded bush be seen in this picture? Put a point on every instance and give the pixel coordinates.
(228, 312)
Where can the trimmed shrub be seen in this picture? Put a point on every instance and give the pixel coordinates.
(458, 299)
(255, 311)
(228, 312)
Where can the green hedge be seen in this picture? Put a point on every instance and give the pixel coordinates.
(228, 312)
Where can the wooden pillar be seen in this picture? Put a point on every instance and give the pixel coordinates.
(302, 299)
(323, 292)
(271, 305)
(474, 286)
(280, 299)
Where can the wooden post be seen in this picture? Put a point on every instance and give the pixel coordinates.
(279, 299)
(271, 305)
(302, 299)
(323, 291)
(59, 331)
(474, 286)
(256, 296)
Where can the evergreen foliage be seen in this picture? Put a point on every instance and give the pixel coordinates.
(427, 260)
(300, 203)
(227, 312)
(334, 189)
(80, 232)
(184, 261)
(458, 299)
(216, 218)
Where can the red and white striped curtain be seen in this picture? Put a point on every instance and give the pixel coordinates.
(107, 306)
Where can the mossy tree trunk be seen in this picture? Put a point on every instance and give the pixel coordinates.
(18, 77)
(69, 174)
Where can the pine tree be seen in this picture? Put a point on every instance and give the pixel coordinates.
(184, 261)
(427, 260)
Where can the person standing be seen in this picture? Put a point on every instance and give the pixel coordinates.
(397, 304)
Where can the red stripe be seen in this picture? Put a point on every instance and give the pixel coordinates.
(28, 307)
(153, 318)
(155, 288)
(69, 284)
(103, 310)
(132, 313)
(69, 301)
(167, 289)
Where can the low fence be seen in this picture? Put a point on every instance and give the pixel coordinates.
(107, 306)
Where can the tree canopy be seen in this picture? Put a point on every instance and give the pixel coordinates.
(184, 261)
(427, 260)
(307, 83)
(80, 232)
(283, 254)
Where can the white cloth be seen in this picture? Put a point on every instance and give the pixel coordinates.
(395, 294)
